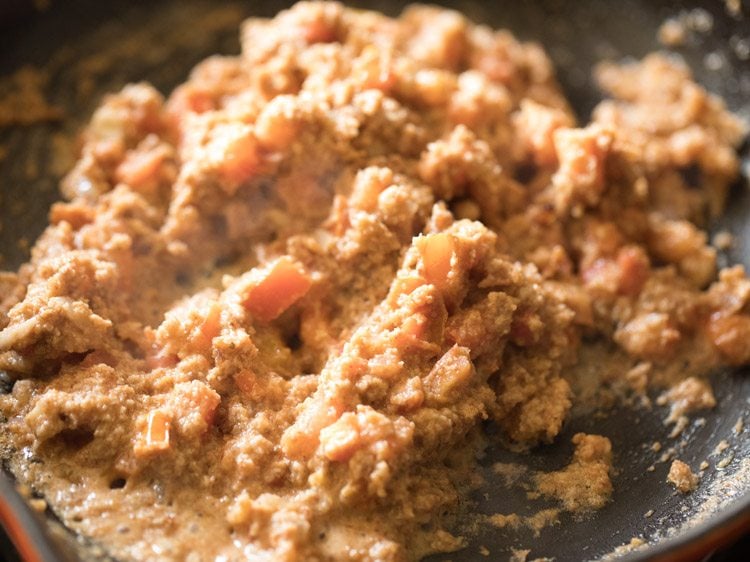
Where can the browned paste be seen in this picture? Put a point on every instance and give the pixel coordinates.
(276, 306)
(583, 485)
(681, 477)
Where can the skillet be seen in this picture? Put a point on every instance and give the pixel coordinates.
(82, 40)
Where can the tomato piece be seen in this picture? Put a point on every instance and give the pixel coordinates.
(437, 254)
(158, 359)
(209, 328)
(284, 283)
(156, 437)
(634, 270)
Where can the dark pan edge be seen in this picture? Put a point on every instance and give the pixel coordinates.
(27, 529)
(720, 530)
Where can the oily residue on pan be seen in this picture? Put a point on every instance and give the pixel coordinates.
(368, 374)
(713, 493)
(22, 101)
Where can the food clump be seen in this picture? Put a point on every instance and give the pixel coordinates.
(681, 477)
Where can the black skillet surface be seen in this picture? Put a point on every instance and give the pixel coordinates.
(67, 39)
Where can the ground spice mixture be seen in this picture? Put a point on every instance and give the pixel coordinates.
(277, 306)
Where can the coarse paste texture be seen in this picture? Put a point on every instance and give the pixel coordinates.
(277, 306)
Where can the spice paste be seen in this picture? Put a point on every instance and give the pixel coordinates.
(277, 306)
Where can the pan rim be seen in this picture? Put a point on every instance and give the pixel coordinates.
(720, 529)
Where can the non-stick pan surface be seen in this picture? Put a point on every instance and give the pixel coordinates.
(104, 45)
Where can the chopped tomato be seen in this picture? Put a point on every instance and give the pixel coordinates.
(317, 31)
(634, 270)
(342, 438)
(414, 326)
(210, 327)
(284, 283)
(383, 81)
(160, 359)
(437, 253)
(75, 214)
(276, 127)
(140, 168)
(189, 99)
(157, 434)
(246, 381)
(450, 375)
(581, 153)
(156, 437)
(367, 428)
(303, 436)
(234, 150)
